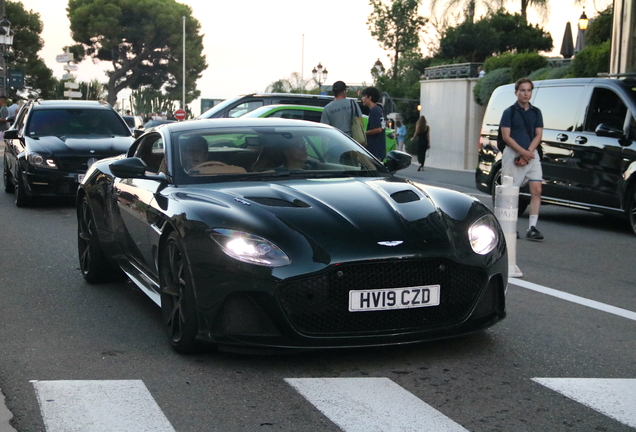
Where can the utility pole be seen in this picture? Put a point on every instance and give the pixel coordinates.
(3, 66)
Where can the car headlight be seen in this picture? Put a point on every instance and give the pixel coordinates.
(40, 161)
(483, 235)
(249, 248)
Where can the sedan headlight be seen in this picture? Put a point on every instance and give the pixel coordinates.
(249, 248)
(483, 235)
(40, 161)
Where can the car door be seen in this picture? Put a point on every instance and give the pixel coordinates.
(135, 204)
(16, 146)
(597, 161)
(559, 105)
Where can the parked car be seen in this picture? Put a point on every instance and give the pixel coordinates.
(238, 106)
(133, 122)
(280, 233)
(310, 113)
(149, 125)
(589, 144)
(52, 143)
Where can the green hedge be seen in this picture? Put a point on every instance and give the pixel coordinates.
(524, 64)
(486, 85)
(591, 61)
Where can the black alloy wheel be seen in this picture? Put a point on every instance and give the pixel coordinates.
(21, 198)
(177, 297)
(94, 265)
(9, 187)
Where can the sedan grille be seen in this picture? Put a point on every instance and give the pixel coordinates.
(73, 164)
(319, 305)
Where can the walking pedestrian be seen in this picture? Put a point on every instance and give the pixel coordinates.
(340, 111)
(376, 136)
(522, 129)
(422, 140)
(4, 114)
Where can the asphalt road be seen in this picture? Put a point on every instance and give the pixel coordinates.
(54, 326)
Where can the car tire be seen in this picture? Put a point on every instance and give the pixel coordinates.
(496, 181)
(631, 207)
(9, 187)
(178, 304)
(21, 198)
(94, 265)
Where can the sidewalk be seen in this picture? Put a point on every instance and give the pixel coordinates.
(5, 416)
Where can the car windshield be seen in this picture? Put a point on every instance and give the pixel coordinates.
(262, 153)
(76, 121)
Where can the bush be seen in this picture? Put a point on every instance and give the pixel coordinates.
(501, 61)
(558, 73)
(591, 61)
(540, 74)
(524, 64)
(486, 85)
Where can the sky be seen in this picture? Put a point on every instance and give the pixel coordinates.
(249, 44)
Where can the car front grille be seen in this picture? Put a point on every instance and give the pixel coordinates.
(73, 164)
(319, 305)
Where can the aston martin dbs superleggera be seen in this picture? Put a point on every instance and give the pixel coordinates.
(286, 233)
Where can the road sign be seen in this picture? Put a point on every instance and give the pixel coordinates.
(180, 114)
(66, 76)
(73, 94)
(70, 67)
(63, 58)
(71, 85)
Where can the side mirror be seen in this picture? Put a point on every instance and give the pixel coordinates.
(397, 160)
(11, 134)
(133, 167)
(604, 130)
(137, 133)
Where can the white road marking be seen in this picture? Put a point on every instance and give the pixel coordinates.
(372, 405)
(575, 299)
(615, 398)
(99, 406)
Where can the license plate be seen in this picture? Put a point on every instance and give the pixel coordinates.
(395, 298)
(80, 177)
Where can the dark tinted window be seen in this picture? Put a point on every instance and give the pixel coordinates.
(244, 108)
(75, 121)
(559, 106)
(605, 107)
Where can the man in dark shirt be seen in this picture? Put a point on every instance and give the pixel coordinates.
(522, 131)
(376, 136)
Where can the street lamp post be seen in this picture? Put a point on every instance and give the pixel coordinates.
(6, 40)
(580, 37)
(319, 74)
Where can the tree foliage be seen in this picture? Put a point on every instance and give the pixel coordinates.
(495, 33)
(23, 54)
(591, 61)
(468, 6)
(600, 29)
(396, 26)
(294, 84)
(143, 41)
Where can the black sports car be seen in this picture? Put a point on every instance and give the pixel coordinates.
(52, 143)
(286, 233)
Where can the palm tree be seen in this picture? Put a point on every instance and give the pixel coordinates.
(468, 5)
(541, 5)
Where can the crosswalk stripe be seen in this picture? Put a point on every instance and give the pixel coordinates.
(372, 404)
(613, 397)
(99, 406)
(574, 299)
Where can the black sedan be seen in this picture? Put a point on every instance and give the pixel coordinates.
(52, 143)
(286, 233)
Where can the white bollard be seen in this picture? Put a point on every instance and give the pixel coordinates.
(506, 210)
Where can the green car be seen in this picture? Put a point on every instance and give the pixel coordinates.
(310, 113)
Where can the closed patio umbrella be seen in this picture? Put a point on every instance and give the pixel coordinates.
(567, 46)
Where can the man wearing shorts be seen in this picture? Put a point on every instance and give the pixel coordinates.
(522, 131)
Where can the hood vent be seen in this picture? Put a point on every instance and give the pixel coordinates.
(405, 196)
(277, 202)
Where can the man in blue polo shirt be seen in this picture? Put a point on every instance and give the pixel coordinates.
(376, 136)
(522, 131)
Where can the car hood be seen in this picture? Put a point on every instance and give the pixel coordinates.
(80, 145)
(344, 219)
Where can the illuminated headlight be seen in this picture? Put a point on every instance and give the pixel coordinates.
(483, 235)
(39, 161)
(249, 248)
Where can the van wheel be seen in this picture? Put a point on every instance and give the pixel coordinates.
(631, 207)
(523, 202)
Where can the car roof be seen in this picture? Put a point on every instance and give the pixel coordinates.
(267, 108)
(238, 122)
(47, 104)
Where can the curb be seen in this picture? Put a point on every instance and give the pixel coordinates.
(5, 416)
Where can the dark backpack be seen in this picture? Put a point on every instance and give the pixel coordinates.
(501, 144)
